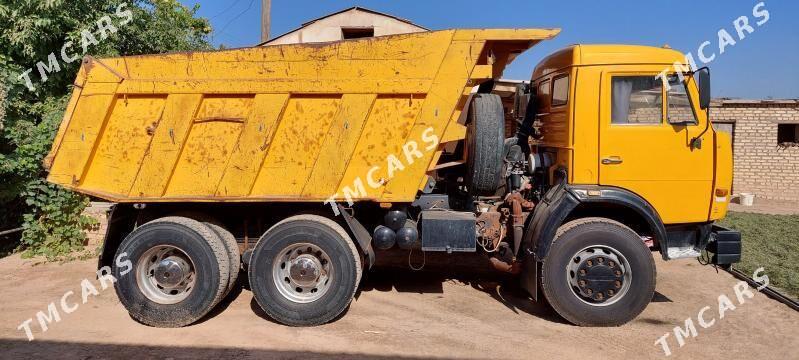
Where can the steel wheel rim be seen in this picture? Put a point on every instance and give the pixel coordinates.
(302, 273)
(166, 274)
(618, 281)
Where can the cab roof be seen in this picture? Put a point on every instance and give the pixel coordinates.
(588, 55)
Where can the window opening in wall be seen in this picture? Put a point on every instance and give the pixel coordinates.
(357, 33)
(788, 135)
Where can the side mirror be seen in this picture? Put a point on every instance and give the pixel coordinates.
(702, 77)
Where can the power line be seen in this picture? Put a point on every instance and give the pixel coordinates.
(249, 6)
(226, 10)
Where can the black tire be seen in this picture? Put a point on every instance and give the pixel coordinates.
(328, 236)
(580, 234)
(207, 255)
(232, 249)
(486, 142)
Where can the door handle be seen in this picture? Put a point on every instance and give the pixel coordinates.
(613, 160)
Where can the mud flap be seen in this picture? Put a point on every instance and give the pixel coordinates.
(529, 276)
(362, 236)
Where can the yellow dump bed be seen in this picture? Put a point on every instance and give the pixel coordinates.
(278, 123)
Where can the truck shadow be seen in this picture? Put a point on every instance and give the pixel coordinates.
(499, 287)
(240, 285)
(395, 276)
(23, 349)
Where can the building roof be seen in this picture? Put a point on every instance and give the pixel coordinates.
(365, 10)
(354, 8)
(729, 101)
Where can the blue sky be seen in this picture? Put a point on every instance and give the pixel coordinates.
(765, 64)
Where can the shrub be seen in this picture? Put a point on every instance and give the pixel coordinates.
(32, 29)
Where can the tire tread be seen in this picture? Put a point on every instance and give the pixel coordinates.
(488, 142)
(232, 249)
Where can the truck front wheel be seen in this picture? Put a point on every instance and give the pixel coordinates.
(304, 271)
(598, 273)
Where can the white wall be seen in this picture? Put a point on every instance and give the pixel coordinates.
(329, 29)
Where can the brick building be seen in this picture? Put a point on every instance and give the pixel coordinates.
(765, 145)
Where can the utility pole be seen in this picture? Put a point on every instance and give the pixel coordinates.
(266, 14)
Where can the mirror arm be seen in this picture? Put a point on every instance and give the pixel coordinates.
(705, 100)
(696, 141)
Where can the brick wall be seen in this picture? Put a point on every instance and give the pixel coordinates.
(99, 211)
(762, 166)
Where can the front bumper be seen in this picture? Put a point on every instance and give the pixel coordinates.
(725, 244)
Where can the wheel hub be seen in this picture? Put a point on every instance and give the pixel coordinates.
(165, 274)
(170, 272)
(302, 272)
(305, 270)
(599, 278)
(599, 275)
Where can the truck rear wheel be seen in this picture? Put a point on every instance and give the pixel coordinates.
(304, 271)
(232, 249)
(178, 273)
(598, 273)
(486, 137)
(228, 240)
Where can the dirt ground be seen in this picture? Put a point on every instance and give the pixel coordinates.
(397, 314)
(765, 206)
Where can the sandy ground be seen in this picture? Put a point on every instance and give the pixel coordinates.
(396, 314)
(765, 206)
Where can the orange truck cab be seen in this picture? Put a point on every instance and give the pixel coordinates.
(626, 136)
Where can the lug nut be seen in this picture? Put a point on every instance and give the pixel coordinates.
(589, 291)
(599, 296)
(582, 271)
(617, 284)
(611, 292)
(601, 260)
(617, 272)
(611, 264)
(589, 263)
(581, 283)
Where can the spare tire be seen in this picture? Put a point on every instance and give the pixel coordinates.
(486, 140)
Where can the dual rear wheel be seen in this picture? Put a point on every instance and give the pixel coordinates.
(181, 269)
(305, 271)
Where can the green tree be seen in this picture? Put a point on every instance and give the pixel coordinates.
(29, 119)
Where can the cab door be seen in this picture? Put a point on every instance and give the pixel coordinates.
(645, 144)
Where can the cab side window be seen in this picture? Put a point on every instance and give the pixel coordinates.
(560, 91)
(636, 100)
(544, 94)
(680, 110)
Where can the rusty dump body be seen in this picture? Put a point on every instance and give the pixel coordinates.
(280, 123)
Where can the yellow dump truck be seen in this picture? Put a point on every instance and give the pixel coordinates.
(303, 164)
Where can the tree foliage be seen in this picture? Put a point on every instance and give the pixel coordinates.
(33, 30)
